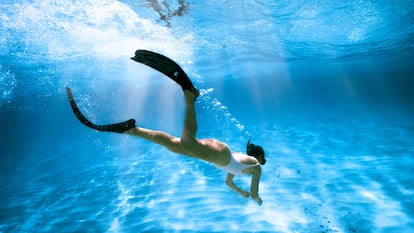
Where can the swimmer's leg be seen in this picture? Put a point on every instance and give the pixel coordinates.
(208, 150)
(168, 141)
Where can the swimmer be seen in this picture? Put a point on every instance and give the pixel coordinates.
(209, 150)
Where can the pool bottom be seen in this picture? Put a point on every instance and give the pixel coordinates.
(352, 176)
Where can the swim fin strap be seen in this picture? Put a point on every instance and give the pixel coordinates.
(166, 66)
(117, 127)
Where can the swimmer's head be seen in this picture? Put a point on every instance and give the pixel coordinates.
(256, 151)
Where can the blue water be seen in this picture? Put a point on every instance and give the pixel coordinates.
(326, 87)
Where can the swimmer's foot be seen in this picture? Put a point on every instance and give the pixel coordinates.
(166, 66)
(189, 96)
(117, 127)
(194, 91)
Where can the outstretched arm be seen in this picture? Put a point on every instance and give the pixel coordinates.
(254, 186)
(230, 183)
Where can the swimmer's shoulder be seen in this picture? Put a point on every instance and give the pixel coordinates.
(245, 159)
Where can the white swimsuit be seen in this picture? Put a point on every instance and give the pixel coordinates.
(235, 167)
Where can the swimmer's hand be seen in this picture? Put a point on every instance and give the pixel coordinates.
(245, 194)
(257, 199)
(230, 183)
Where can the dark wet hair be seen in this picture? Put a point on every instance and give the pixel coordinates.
(256, 151)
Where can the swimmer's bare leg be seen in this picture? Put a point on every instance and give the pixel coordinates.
(159, 137)
(208, 150)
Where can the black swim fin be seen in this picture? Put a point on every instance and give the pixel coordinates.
(166, 66)
(117, 127)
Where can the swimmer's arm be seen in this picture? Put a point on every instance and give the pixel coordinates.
(254, 186)
(230, 183)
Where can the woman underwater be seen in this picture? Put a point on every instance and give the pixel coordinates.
(209, 150)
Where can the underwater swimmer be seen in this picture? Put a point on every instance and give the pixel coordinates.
(209, 150)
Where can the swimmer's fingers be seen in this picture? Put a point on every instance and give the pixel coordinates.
(258, 200)
(245, 194)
